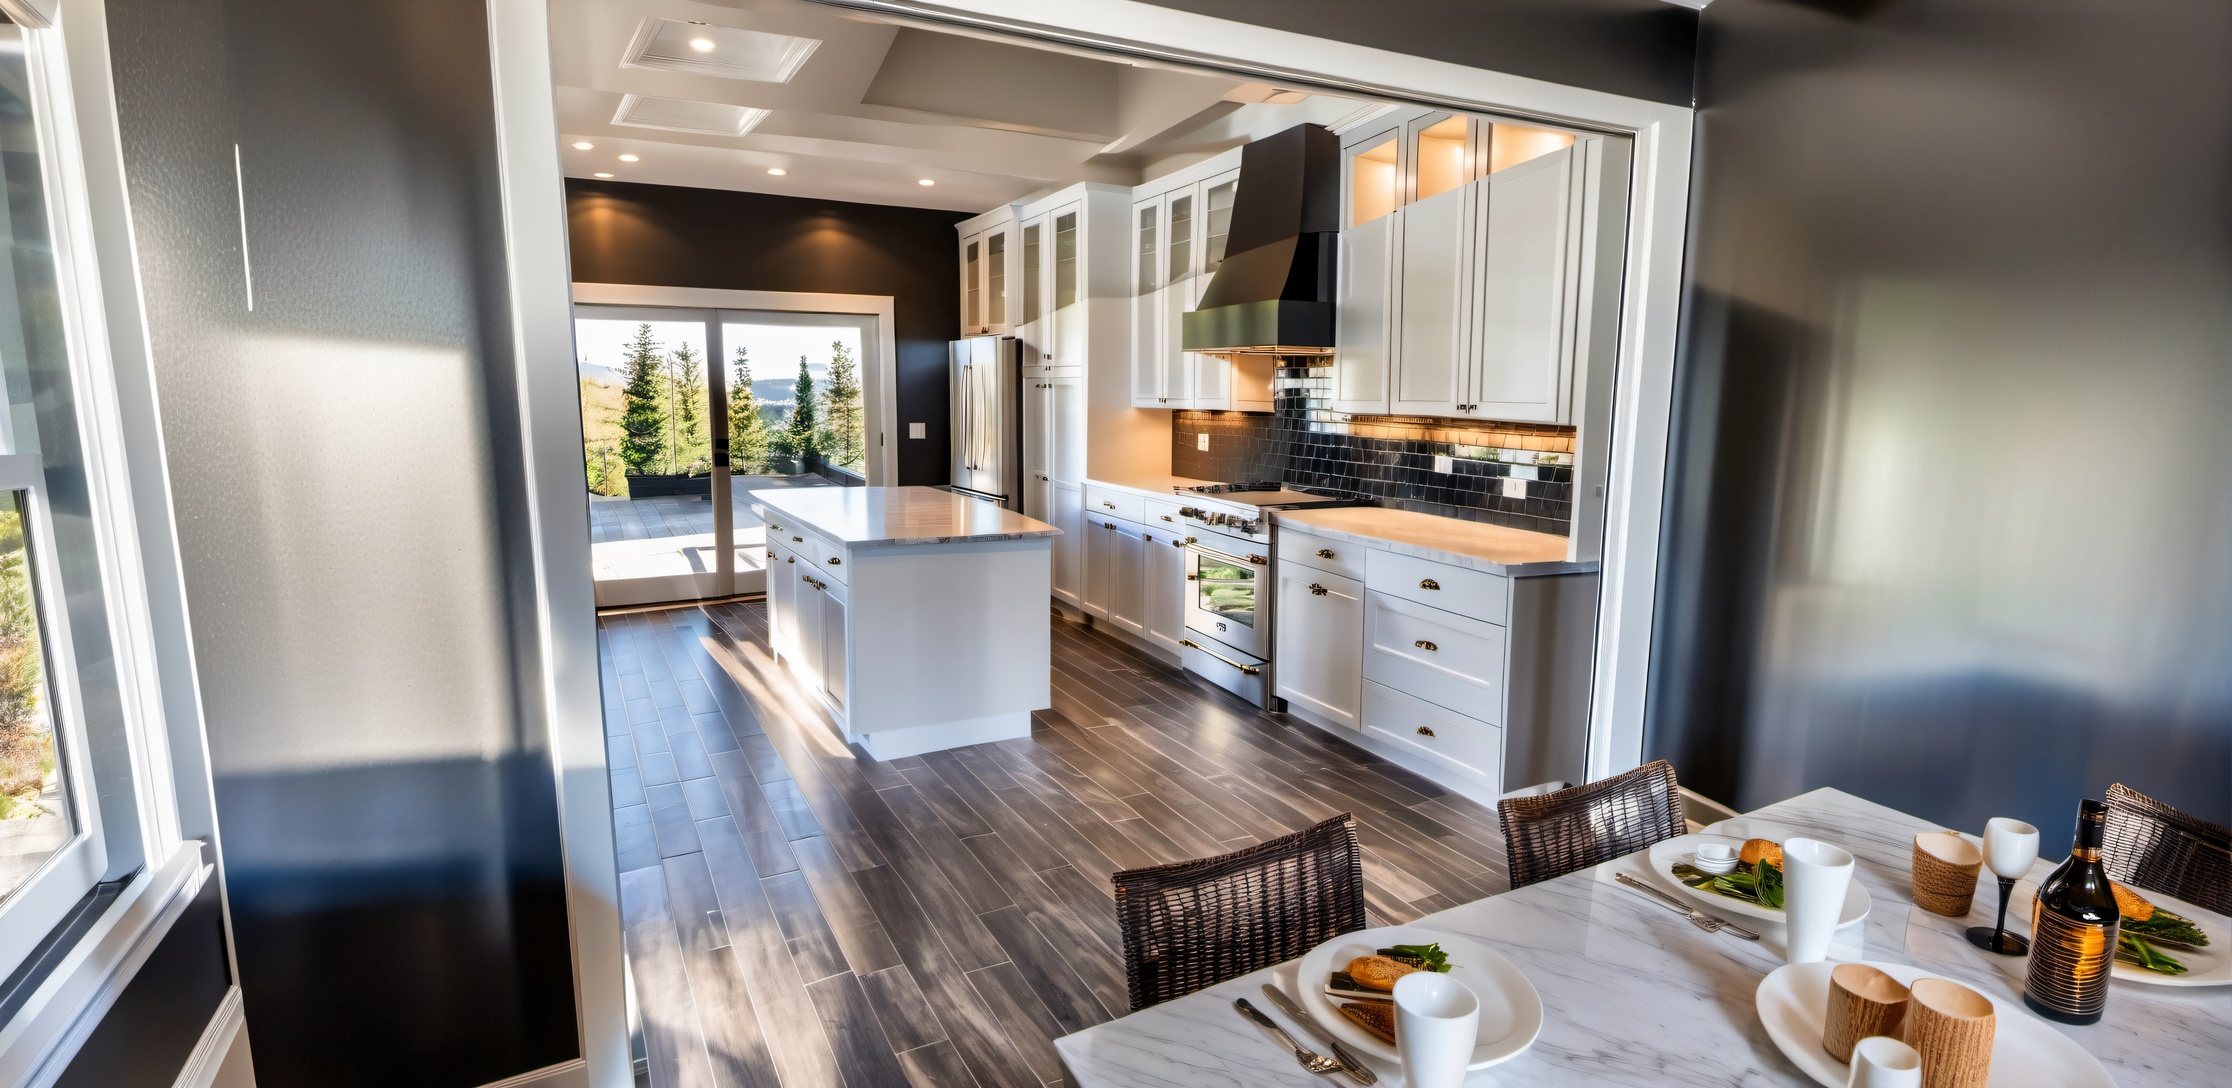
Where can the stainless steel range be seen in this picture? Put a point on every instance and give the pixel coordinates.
(1229, 585)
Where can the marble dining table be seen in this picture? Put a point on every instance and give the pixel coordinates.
(1633, 994)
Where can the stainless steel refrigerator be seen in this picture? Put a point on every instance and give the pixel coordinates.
(987, 383)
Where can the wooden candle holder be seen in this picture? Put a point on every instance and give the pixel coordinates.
(1951, 1026)
(1862, 1002)
(1945, 870)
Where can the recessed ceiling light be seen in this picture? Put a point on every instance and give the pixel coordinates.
(631, 158)
(777, 171)
(702, 45)
(674, 45)
(926, 181)
(600, 174)
(583, 145)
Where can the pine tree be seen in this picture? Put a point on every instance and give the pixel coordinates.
(642, 422)
(747, 428)
(797, 440)
(844, 435)
(686, 381)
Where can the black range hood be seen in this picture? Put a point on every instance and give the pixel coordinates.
(1273, 295)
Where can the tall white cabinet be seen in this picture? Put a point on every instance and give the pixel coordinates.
(1180, 225)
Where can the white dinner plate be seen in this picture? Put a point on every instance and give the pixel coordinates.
(1510, 1009)
(2210, 966)
(1793, 1003)
(1664, 856)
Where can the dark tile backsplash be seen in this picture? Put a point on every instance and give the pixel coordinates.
(1389, 458)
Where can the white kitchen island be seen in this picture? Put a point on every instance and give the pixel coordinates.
(917, 616)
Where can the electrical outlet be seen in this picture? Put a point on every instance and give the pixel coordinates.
(1201, 442)
(1514, 488)
(918, 430)
(1443, 463)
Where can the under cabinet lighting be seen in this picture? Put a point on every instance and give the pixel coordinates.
(926, 181)
(777, 171)
(631, 158)
(584, 145)
(600, 174)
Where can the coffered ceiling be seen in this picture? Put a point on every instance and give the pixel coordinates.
(696, 94)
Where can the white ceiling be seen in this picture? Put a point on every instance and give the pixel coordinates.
(876, 108)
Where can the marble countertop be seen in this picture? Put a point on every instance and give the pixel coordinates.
(1633, 994)
(895, 517)
(1158, 486)
(1495, 549)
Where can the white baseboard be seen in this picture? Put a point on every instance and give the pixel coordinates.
(216, 1042)
(573, 1074)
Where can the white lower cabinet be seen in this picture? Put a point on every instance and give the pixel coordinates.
(806, 627)
(808, 617)
(1069, 548)
(1165, 586)
(1127, 577)
(834, 629)
(1319, 643)
(782, 600)
(1444, 658)
(1441, 736)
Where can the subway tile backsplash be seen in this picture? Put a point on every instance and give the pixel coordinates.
(1389, 458)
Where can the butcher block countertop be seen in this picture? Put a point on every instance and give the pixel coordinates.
(895, 517)
(1494, 549)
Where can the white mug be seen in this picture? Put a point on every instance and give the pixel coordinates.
(1815, 877)
(1437, 1024)
(1880, 1061)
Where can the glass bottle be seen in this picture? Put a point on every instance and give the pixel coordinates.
(2073, 930)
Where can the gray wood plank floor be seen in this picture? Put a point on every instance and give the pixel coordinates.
(799, 914)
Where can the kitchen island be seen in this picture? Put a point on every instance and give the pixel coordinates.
(916, 616)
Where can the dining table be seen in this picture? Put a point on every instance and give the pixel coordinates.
(1634, 994)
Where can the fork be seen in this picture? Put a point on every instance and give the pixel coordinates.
(1698, 918)
(1310, 1059)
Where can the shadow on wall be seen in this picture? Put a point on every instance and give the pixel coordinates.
(1950, 522)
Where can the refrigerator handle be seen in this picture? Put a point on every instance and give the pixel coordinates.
(968, 417)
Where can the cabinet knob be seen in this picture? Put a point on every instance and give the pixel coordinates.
(1325, 553)
(1318, 589)
(1166, 517)
(791, 559)
(1425, 645)
(1425, 731)
(771, 553)
(1428, 583)
(836, 562)
(798, 540)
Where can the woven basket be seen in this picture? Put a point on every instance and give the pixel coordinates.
(1943, 886)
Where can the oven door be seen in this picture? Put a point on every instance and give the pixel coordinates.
(1228, 597)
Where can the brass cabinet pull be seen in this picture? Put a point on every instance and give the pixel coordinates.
(1425, 645)
(1177, 543)
(1166, 517)
(1245, 669)
(771, 553)
(1325, 553)
(1260, 560)
(1317, 589)
(798, 540)
(1109, 505)
(1425, 731)
(813, 581)
(1108, 524)
(836, 562)
(1428, 583)
(790, 559)
(1193, 577)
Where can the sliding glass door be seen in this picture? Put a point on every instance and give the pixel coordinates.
(685, 412)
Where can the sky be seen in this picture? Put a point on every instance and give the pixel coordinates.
(774, 349)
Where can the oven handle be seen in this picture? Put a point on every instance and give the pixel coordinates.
(1245, 670)
(1221, 557)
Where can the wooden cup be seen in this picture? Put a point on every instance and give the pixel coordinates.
(1951, 1026)
(1862, 1002)
(1945, 870)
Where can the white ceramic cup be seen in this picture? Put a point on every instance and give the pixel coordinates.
(1437, 1024)
(1815, 876)
(1716, 857)
(1880, 1061)
(2010, 846)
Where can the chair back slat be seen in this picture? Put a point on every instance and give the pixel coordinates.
(2150, 845)
(1196, 923)
(1558, 833)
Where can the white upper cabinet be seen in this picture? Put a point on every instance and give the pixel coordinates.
(1181, 286)
(1430, 328)
(1179, 236)
(1362, 314)
(1524, 367)
(1148, 372)
(990, 294)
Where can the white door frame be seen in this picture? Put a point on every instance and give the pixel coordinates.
(533, 194)
(879, 391)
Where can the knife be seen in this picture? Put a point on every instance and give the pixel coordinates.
(1357, 1071)
(1668, 899)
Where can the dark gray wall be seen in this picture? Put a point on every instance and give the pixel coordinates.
(344, 461)
(1639, 48)
(152, 1030)
(1950, 513)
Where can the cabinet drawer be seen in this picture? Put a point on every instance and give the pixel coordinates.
(1107, 502)
(1162, 514)
(829, 559)
(1438, 656)
(1442, 736)
(1331, 556)
(1466, 592)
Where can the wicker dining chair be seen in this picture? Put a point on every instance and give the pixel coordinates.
(1196, 923)
(2150, 845)
(1557, 833)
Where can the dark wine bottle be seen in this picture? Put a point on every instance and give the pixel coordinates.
(2073, 931)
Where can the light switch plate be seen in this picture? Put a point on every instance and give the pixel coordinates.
(1514, 488)
(1201, 442)
(918, 430)
(1442, 463)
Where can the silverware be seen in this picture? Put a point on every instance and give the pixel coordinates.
(1356, 1070)
(1310, 1059)
(1699, 918)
